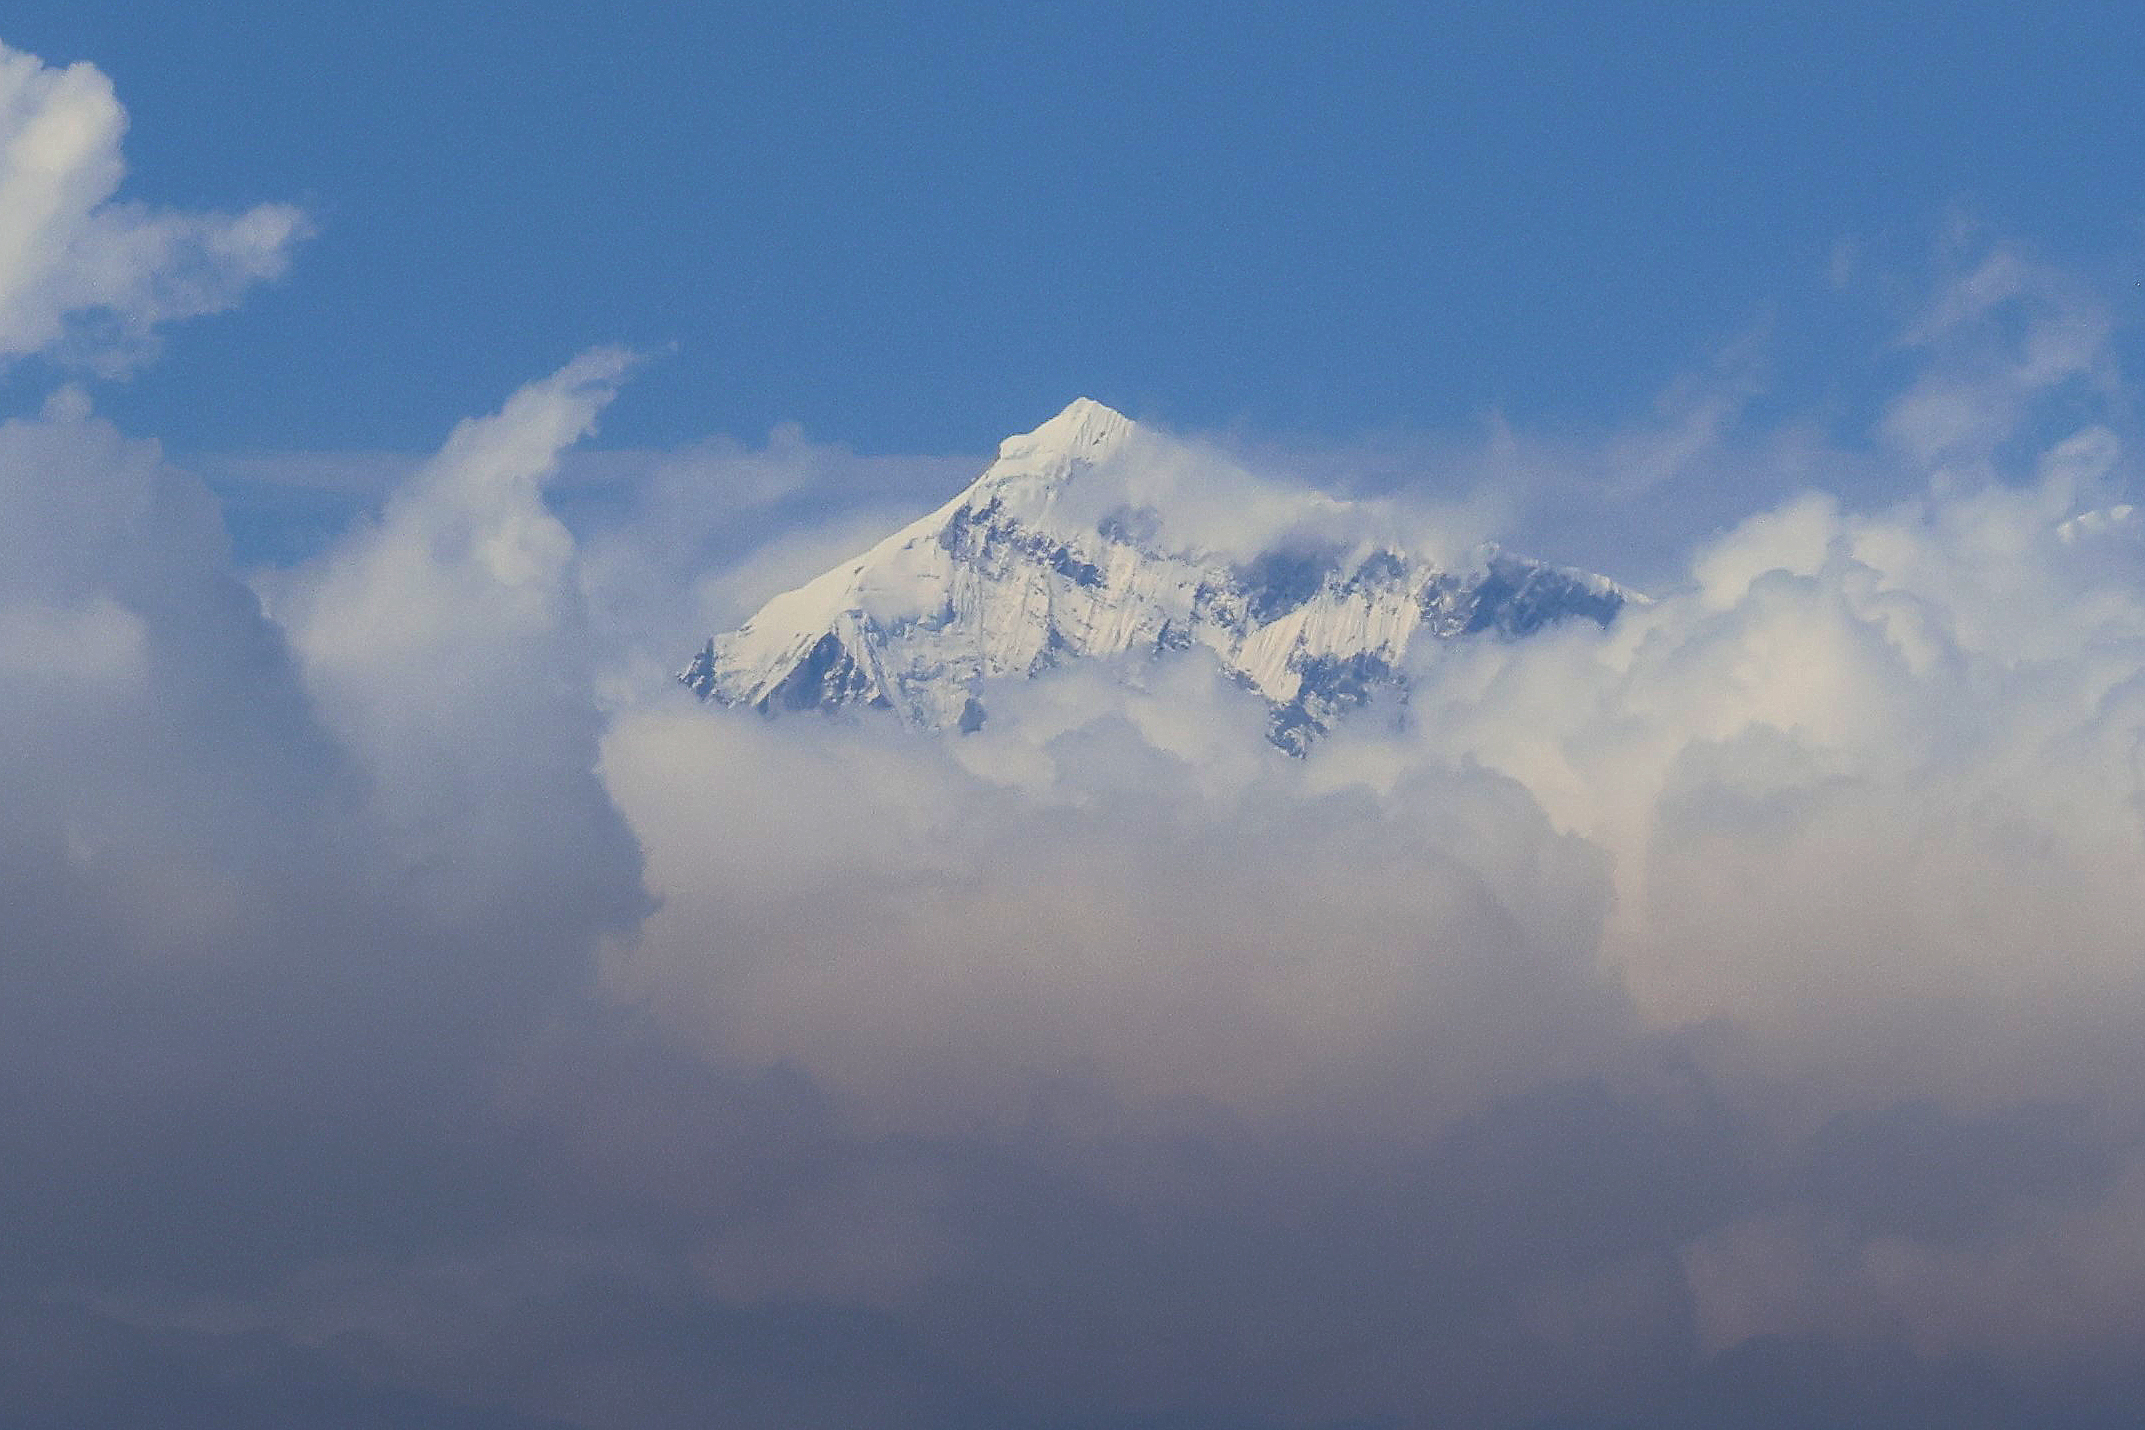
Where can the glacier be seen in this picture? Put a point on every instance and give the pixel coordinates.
(1065, 549)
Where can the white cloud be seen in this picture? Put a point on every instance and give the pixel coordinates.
(1847, 822)
(446, 645)
(81, 274)
(98, 644)
(1858, 761)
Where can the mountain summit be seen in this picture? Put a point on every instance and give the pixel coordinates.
(1072, 544)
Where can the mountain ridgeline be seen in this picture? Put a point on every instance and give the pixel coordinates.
(1058, 553)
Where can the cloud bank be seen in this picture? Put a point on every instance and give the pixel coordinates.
(1780, 937)
(419, 1011)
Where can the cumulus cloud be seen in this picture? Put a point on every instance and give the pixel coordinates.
(1871, 789)
(88, 276)
(931, 944)
(1820, 865)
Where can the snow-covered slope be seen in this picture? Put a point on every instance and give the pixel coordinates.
(1059, 551)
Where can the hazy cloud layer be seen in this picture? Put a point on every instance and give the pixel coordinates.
(417, 1010)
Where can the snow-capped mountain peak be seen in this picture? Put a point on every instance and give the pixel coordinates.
(1085, 431)
(1057, 552)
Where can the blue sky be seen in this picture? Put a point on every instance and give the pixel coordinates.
(917, 227)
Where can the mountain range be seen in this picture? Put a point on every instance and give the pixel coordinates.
(1069, 547)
